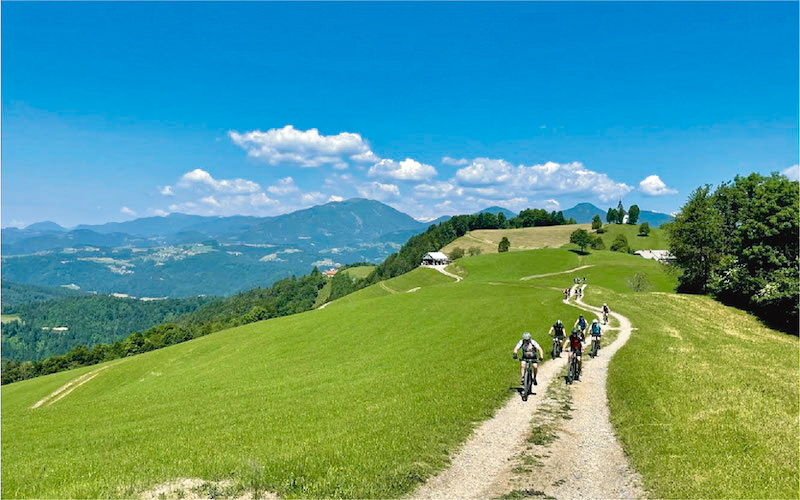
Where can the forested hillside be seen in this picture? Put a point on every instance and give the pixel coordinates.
(57, 325)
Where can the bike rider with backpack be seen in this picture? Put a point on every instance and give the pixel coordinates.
(596, 332)
(606, 310)
(558, 332)
(581, 324)
(575, 347)
(530, 349)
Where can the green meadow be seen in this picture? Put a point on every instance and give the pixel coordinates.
(656, 240)
(365, 398)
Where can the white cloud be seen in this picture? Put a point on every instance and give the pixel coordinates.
(406, 170)
(289, 146)
(437, 190)
(160, 213)
(210, 200)
(166, 190)
(793, 172)
(127, 211)
(283, 187)
(378, 191)
(551, 205)
(458, 162)
(547, 178)
(201, 177)
(653, 185)
(312, 198)
(485, 171)
(335, 198)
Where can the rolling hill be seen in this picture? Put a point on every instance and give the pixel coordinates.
(361, 399)
(584, 212)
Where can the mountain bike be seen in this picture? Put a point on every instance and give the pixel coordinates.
(555, 352)
(527, 387)
(573, 370)
(605, 318)
(595, 346)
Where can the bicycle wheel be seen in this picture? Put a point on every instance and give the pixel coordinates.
(526, 388)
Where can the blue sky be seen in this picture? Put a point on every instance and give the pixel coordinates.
(118, 111)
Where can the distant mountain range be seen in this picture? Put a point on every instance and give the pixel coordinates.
(183, 255)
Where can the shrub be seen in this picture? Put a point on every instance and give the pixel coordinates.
(597, 243)
(456, 253)
(504, 245)
(620, 244)
(639, 282)
(596, 223)
(644, 229)
(474, 251)
(581, 238)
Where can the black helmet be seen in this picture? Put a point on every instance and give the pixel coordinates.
(575, 331)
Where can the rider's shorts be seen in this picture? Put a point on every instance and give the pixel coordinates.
(534, 359)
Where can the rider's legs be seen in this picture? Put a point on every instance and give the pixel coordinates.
(535, 370)
(522, 373)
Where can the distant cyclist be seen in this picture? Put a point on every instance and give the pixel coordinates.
(530, 349)
(581, 324)
(566, 293)
(596, 332)
(575, 347)
(558, 332)
(606, 310)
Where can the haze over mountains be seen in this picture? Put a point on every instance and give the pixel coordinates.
(183, 255)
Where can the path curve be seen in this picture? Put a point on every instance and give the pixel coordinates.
(587, 462)
(446, 273)
(534, 276)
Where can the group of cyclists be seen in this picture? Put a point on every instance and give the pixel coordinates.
(531, 351)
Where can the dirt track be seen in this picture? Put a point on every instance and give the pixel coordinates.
(584, 461)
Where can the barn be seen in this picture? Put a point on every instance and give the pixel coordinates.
(435, 259)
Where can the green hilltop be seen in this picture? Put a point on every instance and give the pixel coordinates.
(367, 397)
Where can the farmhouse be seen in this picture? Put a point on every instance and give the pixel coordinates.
(330, 273)
(434, 259)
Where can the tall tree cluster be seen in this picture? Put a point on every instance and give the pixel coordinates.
(740, 243)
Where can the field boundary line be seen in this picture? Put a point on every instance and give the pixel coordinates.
(534, 276)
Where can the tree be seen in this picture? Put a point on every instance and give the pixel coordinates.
(644, 229)
(596, 222)
(456, 253)
(633, 214)
(611, 216)
(502, 222)
(581, 238)
(696, 240)
(597, 243)
(504, 245)
(474, 250)
(620, 213)
(620, 244)
(570, 222)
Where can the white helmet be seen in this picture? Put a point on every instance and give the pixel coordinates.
(526, 335)
(604, 304)
(594, 321)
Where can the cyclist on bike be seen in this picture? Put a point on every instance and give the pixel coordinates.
(606, 310)
(530, 349)
(596, 332)
(557, 331)
(575, 347)
(581, 324)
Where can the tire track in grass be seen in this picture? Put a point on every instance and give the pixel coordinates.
(534, 276)
(67, 388)
(585, 461)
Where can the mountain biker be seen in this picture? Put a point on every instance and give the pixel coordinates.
(530, 349)
(566, 293)
(557, 331)
(606, 310)
(596, 331)
(575, 347)
(581, 324)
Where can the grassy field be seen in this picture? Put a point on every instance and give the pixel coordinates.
(528, 238)
(656, 240)
(705, 399)
(8, 318)
(359, 272)
(356, 400)
(368, 397)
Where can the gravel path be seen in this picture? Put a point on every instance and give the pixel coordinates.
(585, 461)
(446, 273)
(534, 276)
